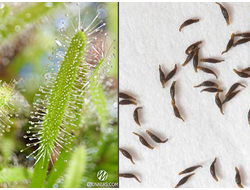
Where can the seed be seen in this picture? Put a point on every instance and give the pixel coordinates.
(188, 22)
(207, 70)
(196, 59)
(224, 13)
(127, 102)
(126, 96)
(192, 47)
(229, 44)
(242, 74)
(176, 111)
(230, 96)
(189, 57)
(127, 154)
(171, 74)
(248, 116)
(211, 60)
(212, 90)
(144, 142)
(190, 169)
(238, 178)
(207, 83)
(162, 77)
(129, 175)
(246, 69)
(212, 170)
(155, 138)
(172, 91)
(241, 41)
(233, 87)
(218, 102)
(183, 180)
(136, 115)
(246, 35)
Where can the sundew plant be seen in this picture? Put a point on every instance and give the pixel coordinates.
(58, 94)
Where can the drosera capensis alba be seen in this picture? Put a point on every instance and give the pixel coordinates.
(58, 106)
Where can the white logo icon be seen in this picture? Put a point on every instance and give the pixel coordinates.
(102, 175)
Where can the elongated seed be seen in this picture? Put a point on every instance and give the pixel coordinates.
(188, 22)
(213, 171)
(183, 180)
(190, 169)
(127, 154)
(192, 47)
(189, 57)
(126, 96)
(230, 96)
(171, 74)
(127, 102)
(211, 60)
(242, 74)
(238, 178)
(218, 102)
(241, 41)
(248, 117)
(136, 115)
(143, 141)
(129, 175)
(224, 13)
(212, 90)
(233, 87)
(207, 70)
(196, 59)
(176, 111)
(155, 138)
(162, 77)
(207, 83)
(245, 35)
(172, 91)
(229, 44)
(246, 69)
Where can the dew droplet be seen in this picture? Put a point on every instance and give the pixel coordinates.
(28, 15)
(17, 28)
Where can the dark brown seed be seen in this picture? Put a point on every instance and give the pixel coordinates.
(190, 169)
(136, 115)
(246, 69)
(127, 102)
(172, 91)
(183, 180)
(188, 22)
(189, 57)
(207, 70)
(196, 59)
(241, 41)
(127, 154)
(248, 117)
(128, 175)
(229, 44)
(207, 83)
(126, 96)
(171, 74)
(176, 111)
(211, 60)
(233, 87)
(162, 77)
(144, 142)
(238, 178)
(224, 13)
(230, 96)
(192, 47)
(242, 74)
(212, 90)
(212, 170)
(245, 35)
(218, 102)
(155, 138)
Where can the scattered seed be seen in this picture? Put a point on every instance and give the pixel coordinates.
(162, 77)
(196, 59)
(144, 142)
(127, 154)
(242, 74)
(245, 35)
(207, 70)
(190, 169)
(207, 83)
(176, 111)
(183, 180)
(212, 90)
(246, 69)
(155, 138)
(211, 60)
(229, 44)
(218, 102)
(188, 22)
(192, 47)
(171, 74)
(136, 115)
(233, 87)
(212, 170)
(126, 96)
(127, 102)
(230, 96)
(238, 178)
(241, 41)
(172, 91)
(248, 116)
(224, 13)
(128, 175)
(189, 57)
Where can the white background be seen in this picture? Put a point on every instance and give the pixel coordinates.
(149, 36)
